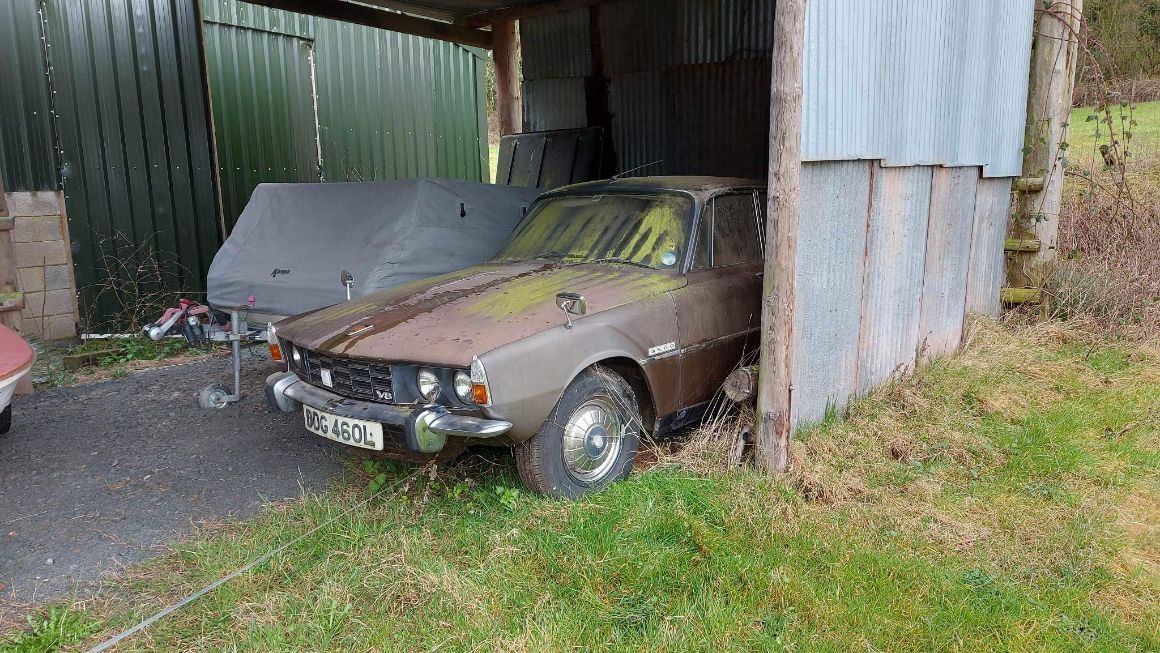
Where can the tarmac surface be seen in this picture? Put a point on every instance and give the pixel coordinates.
(97, 476)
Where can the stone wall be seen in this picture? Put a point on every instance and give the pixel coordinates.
(44, 264)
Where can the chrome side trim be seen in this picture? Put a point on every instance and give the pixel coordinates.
(469, 427)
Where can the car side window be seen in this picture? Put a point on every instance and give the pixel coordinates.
(738, 225)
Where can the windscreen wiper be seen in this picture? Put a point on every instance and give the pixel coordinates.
(623, 261)
(566, 256)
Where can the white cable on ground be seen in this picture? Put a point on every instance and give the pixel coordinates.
(117, 639)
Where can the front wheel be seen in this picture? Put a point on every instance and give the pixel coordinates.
(589, 441)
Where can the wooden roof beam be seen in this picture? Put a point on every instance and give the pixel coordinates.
(382, 19)
(499, 16)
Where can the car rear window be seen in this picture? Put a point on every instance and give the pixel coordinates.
(650, 230)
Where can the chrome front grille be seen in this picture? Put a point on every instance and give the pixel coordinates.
(350, 378)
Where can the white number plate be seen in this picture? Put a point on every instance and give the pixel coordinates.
(355, 432)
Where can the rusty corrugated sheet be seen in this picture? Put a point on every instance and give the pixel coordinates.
(988, 261)
(639, 130)
(565, 35)
(831, 245)
(27, 145)
(649, 35)
(894, 262)
(717, 125)
(948, 257)
(554, 104)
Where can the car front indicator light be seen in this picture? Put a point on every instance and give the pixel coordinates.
(272, 340)
(480, 393)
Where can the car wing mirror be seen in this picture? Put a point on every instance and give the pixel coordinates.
(347, 280)
(572, 304)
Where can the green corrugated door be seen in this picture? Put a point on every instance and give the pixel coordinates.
(133, 124)
(261, 89)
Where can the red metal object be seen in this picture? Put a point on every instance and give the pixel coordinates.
(16, 358)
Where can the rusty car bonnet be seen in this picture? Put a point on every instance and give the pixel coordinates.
(448, 319)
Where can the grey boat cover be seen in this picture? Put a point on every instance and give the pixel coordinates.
(292, 241)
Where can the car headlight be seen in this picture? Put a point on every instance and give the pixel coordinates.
(296, 353)
(428, 384)
(463, 386)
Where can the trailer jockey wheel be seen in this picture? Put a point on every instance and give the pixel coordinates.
(215, 396)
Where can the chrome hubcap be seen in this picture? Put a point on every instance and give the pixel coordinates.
(592, 440)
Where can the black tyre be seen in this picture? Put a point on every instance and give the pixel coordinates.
(6, 420)
(589, 441)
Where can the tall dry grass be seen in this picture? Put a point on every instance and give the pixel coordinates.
(1090, 93)
(1108, 271)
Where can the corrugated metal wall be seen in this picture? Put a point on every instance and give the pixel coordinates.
(262, 89)
(893, 250)
(890, 261)
(948, 259)
(390, 106)
(27, 147)
(133, 129)
(916, 82)
(134, 135)
(830, 269)
(909, 82)
(988, 259)
(896, 252)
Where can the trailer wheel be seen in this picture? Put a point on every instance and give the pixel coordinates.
(589, 440)
(6, 420)
(215, 396)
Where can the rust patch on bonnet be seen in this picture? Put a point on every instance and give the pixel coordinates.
(448, 319)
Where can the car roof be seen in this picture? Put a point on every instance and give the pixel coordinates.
(690, 184)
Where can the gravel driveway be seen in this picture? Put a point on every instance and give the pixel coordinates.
(97, 476)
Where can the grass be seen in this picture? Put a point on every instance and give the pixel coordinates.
(111, 358)
(1088, 130)
(1002, 500)
(493, 160)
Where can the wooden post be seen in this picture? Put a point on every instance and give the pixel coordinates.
(507, 77)
(1039, 193)
(775, 386)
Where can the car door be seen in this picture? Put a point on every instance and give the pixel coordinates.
(719, 311)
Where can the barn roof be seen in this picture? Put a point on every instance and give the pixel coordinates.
(462, 21)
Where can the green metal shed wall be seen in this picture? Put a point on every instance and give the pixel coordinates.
(262, 90)
(135, 143)
(130, 142)
(27, 150)
(390, 106)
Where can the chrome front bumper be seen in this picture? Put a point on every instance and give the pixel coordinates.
(424, 428)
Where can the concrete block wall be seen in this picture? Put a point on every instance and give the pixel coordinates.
(40, 246)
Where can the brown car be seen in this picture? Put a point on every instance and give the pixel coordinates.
(616, 309)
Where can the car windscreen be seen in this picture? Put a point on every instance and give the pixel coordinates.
(648, 230)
